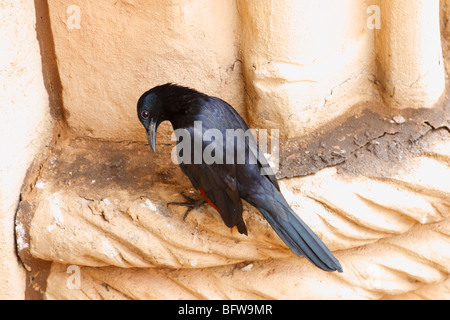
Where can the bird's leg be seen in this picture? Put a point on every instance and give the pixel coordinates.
(190, 204)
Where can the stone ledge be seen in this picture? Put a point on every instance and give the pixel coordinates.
(102, 207)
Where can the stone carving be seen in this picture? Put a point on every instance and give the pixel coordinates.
(105, 215)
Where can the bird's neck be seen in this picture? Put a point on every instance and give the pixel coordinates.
(179, 100)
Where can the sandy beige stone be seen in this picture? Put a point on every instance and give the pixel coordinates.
(409, 53)
(374, 271)
(391, 232)
(297, 81)
(386, 51)
(25, 127)
(85, 215)
(120, 49)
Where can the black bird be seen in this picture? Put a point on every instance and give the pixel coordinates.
(225, 184)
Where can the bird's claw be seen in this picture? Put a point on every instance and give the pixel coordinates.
(191, 204)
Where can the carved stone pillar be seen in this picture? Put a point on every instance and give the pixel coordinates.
(305, 63)
(409, 61)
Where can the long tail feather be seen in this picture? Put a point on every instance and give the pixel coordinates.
(299, 237)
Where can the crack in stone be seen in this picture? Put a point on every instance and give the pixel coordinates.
(433, 128)
(371, 141)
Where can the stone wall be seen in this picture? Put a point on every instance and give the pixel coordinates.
(110, 52)
(356, 88)
(347, 52)
(25, 127)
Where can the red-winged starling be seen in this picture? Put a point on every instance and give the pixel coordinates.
(225, 183)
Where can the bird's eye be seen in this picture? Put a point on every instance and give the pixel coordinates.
(145, 114)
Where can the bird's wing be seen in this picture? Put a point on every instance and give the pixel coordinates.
(218, 181)
(219, 185)
(251, 145)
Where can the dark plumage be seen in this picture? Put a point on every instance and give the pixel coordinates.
(225, 184)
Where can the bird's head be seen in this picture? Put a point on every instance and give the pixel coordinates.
(164, 102)
(150, 113)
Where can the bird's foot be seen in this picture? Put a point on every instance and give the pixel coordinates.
(191, 204)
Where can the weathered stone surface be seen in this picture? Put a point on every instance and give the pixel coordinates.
(375, 271)
(109, 53)
(106, 204)
(26, 127)
(101, 208)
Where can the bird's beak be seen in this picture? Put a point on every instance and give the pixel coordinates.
(151, 135)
